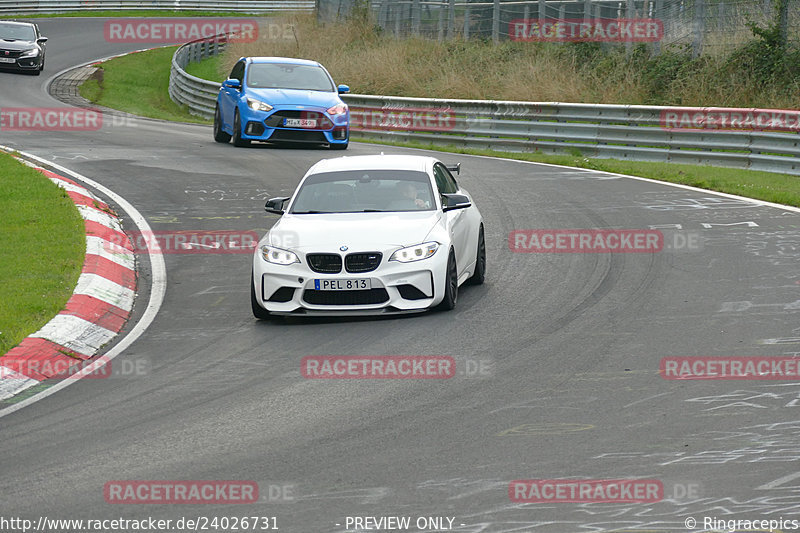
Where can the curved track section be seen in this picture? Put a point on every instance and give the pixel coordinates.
(574, 342)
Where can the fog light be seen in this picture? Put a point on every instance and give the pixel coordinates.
(340, 134)
(254, 128)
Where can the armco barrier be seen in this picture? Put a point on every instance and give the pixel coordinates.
(638, 133)
(21, 7)
(198, 94)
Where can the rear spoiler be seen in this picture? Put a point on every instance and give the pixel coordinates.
(454, 168)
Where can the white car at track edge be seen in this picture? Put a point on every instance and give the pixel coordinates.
(376, 234)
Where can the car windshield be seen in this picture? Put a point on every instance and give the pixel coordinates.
(356, 191)
(288, 76)
(17, 32)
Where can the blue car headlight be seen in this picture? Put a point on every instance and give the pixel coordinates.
(258, 105)
(338, 109)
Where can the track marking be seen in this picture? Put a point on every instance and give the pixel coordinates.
(158, 286)
(778, 482)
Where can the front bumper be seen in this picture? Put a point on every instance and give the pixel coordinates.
(269, 126)
(24, 63)
(396, 288)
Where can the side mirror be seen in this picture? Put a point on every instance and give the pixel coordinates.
(275, 205)
(343, 89)
(455, 201)
(41, 40)
(232, 83)
(454, 168)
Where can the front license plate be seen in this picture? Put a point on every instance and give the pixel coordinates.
(7, 60)
(300, 123)
(342, 284)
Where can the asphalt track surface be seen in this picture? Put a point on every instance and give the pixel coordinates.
(574, 341)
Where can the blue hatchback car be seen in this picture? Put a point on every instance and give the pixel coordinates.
(280, 99)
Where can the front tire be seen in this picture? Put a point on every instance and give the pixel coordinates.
(237, 132)
(479, 275)
(450, 284)
(342, 146)
(258, 311)
(219, 135)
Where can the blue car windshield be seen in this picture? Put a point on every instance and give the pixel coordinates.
(289, 76)
(17, 32)
(364, 191)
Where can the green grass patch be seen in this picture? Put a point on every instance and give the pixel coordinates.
(210, 68)
(138, 83)
(768, 186)
(42, 248)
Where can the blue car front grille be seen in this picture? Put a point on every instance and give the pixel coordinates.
(298, 136)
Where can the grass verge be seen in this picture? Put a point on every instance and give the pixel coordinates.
(755, 70)
(767, 186)
(138, 83)
(42, 248)
(210, 68)
(133, 93)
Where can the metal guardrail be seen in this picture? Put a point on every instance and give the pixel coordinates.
(21, 7)
(198, 94)
(637, 133)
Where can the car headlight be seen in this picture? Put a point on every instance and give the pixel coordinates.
(278, 256)
(33, 52)
(258, 105)
(338, 109)
(415, 253)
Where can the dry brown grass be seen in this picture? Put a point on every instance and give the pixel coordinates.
(371, 63)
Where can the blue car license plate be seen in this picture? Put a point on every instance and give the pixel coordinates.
(299, 123)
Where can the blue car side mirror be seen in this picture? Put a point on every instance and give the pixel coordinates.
(343, 89)
(232, 83)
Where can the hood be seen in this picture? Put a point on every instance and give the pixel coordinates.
(289, 97)
(17, 45)
(358, 231)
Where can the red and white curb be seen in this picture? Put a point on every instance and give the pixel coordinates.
(108, 302)
(98, 309)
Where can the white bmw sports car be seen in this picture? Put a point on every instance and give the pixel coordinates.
(371, 234)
